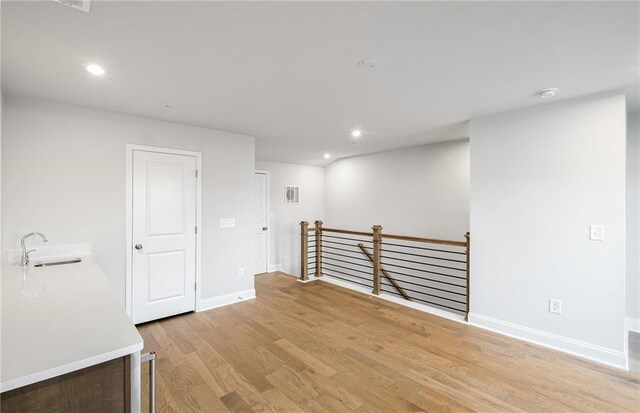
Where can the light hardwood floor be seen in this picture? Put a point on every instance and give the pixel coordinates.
(317, 347)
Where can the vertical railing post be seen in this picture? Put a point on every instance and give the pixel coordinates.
(318, 248)
(304, 251)
(468, 250)
(377, 240)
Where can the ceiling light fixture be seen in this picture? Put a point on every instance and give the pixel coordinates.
(547, 93)
(356, 133)
(327, 156)
(96, 70)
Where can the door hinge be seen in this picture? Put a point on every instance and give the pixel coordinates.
(195, 286)
(196, 229)
(196, 173)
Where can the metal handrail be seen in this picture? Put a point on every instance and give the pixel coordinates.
(437, 263)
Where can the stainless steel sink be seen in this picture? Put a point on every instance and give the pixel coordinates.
(57, 262)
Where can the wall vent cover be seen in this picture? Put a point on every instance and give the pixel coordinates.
(83, 5)
(291, 195)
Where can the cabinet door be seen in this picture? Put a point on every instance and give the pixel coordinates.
(99, 388)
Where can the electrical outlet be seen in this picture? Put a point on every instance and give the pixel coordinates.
(240, 272)
(555, 306)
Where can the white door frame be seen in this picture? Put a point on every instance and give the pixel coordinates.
(268, 174)
(129, 216)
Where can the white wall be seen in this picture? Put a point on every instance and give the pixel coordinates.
(64, 175)
(539, 178)
(633, 221)
(422, 191)
(284, 238)
(1, 141)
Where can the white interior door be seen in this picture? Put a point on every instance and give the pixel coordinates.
(261, 224)
(164, 235)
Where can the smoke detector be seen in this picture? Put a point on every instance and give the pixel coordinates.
(547, 93)
(367, 64)
(83, 5)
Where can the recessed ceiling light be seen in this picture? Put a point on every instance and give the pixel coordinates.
(96, 70)
(547, 93)
(356, 133)
(327, 156)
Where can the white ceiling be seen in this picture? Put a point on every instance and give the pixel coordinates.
(286, 72)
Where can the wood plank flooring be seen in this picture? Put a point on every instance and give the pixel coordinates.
(317, 347)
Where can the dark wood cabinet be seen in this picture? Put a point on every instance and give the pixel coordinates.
(99, 388)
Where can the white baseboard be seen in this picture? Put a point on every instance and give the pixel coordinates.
(215, 302)
(394, 299)
(602, 355)
(633, 324)
(274, 268)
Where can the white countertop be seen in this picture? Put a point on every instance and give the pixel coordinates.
(59, 319)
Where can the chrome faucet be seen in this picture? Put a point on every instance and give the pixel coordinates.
(24, 261)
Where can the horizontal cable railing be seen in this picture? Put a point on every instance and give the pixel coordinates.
(429, 271)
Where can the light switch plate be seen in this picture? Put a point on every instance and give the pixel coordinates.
(596, 232)
(227, 222)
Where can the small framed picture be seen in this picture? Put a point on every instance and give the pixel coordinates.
(291, 195)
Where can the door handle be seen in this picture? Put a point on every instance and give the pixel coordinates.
(138, 247)
(264, 228)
